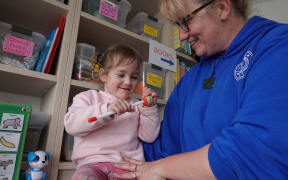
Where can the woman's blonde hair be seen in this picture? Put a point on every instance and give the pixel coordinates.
(119, 54)
(174, 10)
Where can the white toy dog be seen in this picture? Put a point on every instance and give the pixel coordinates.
(37, 160)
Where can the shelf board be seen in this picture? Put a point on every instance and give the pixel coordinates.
(66, 165)
(186, 57)
(85, 84)
(93, 29)
(27, 14)
(79, 86)
(26, 82)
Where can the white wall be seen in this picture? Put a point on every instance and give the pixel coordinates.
(273, 9)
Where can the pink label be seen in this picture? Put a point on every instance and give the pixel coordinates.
(108, 10)
(15, 45)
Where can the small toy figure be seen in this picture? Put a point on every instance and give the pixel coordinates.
(37, 160)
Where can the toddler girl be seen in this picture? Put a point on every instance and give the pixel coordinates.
(99, 144)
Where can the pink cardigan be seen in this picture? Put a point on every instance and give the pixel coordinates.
(105, 140)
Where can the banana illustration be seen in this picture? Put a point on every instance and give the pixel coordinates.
(4, 142)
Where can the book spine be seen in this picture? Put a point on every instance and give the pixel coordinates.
(49, 50)
(44, 52)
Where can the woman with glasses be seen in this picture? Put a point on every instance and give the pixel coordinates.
(228, 116)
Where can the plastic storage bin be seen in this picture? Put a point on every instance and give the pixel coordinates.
(146, 25)
(19, 47)
(67, 147)
(154, 78)
(83, 68)
(37, 123)
(114, 11)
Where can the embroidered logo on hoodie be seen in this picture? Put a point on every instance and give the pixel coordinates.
(239, 72)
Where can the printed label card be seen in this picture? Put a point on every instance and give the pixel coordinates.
(13, 122)
(109, 10)
(19, 46)
(9, 141)
(5, 176)
(7, 164)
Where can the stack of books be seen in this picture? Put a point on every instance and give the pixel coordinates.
(45, 60)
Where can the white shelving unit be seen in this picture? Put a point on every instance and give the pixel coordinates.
(52, 93)
(42, 91)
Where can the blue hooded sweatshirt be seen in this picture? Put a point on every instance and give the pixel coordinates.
(244, 116)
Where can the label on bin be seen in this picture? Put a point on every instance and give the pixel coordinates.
(150, 30)
(154, 80)
(108, 10)
(15, 45)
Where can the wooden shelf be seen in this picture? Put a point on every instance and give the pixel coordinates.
(186, 57)
(28, 13)
(95, 30)
(84, 84)
(66, 165)
(20, 81)
(79, 86)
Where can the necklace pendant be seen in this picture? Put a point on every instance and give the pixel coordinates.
(208, 83)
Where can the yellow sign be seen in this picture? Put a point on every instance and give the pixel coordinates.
(177, 42)
(154, 80)
(96, 68)
(150, 30)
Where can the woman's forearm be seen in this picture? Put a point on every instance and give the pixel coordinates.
(191, 165)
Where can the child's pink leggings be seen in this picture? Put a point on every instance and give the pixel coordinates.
(97, 171)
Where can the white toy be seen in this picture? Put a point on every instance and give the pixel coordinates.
(37, 160)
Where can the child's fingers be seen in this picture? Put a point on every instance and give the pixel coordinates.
(121, 107)
(149, 92)
(125, 106)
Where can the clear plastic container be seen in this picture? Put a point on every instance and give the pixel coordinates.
(146, 25)
(67, 147)
(114, 11)
(37, 123)
(32, 138)
(154, 78)
(83, 68)
(20, 47)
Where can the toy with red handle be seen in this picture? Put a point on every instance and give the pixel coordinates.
(146, 101)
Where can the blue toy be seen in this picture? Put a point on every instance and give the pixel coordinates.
(37, 160)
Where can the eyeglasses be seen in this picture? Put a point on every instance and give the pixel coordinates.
(183, 23)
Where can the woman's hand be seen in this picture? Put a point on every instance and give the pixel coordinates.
(139, 170)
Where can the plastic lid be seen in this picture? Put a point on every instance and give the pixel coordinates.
(5, 26)
(85, 50)
(125, 2)
(38, 38)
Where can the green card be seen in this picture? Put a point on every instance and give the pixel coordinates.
(14, 119)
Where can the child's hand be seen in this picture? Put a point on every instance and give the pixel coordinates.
(119, 107)
(149, 92)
